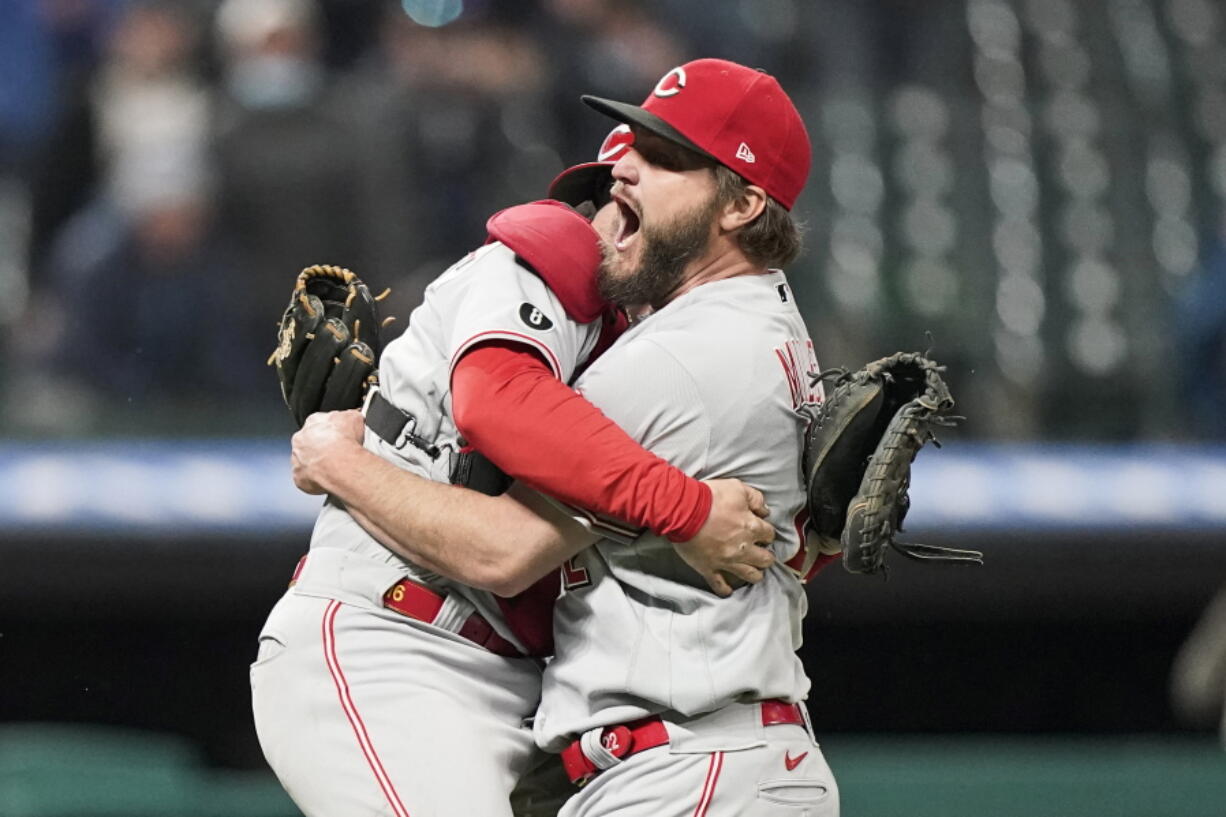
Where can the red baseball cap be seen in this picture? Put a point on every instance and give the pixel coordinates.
(591, 181)
(738, 116)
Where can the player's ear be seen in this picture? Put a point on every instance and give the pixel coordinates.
(742, 209)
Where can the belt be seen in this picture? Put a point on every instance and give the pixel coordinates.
(420, 603)
(648, 733)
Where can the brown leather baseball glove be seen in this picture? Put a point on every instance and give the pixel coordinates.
(328, 342)
(858, 454)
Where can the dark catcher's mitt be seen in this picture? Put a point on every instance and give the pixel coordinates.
(328, 342)
(858, 454)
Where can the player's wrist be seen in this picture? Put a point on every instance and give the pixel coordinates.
(700, 500)
(340, 459)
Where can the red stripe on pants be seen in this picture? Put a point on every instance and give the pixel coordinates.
(708, 787)
(351, 712)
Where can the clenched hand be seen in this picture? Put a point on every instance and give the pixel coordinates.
(728, 548)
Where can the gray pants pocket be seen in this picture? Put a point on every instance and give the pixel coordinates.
(271, 646)
(803, 797)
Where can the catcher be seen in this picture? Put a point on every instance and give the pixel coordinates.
(858, 454)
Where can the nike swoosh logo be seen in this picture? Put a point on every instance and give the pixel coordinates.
(793, 762)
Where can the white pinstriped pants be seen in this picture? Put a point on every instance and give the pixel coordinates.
(361, 711)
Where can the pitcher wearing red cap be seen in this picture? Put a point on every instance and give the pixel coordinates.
(662, 698)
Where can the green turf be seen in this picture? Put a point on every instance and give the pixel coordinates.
(54, 770)
(932, 776)
(86, 771)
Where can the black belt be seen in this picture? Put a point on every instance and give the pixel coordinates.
(398, 428)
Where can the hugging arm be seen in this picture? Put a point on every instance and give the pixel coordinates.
(499, 544)
(508, 404)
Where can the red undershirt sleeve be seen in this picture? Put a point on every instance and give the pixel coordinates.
(508, 405)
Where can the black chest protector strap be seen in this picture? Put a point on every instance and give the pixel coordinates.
(398, 428)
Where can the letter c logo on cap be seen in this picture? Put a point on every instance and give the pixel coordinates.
(671, 83)
(615, 144)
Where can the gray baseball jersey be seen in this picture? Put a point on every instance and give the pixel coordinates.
(486, 296)
(715, 383)
(361, 710)
(727, 369)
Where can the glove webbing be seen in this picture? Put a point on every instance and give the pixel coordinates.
(916, 415)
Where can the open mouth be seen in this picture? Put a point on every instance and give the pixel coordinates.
(629, 225)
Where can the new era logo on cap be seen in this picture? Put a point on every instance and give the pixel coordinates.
(744, 153)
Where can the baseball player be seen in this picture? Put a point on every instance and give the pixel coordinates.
(662, 698)
(382, 688)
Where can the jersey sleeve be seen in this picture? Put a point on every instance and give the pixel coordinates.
(510, 303)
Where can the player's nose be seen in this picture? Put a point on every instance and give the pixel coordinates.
(626, 168)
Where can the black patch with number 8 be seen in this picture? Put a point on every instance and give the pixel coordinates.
(534, 318)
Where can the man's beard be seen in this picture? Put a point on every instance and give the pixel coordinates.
(667, 250)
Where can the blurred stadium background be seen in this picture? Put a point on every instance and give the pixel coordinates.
(1035, 189)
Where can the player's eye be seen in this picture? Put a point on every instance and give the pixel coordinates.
(667, 155)
(661, 158)
(673, 158)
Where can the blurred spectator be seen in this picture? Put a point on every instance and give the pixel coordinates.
(121, 315)
(380, 134)
(453, 124)
(144, 281)
(350, 29)
(151, 106)
(144, 101)
(27, 81)
(610, 48)
(27, 85)
(62, 167)
(288, 191)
